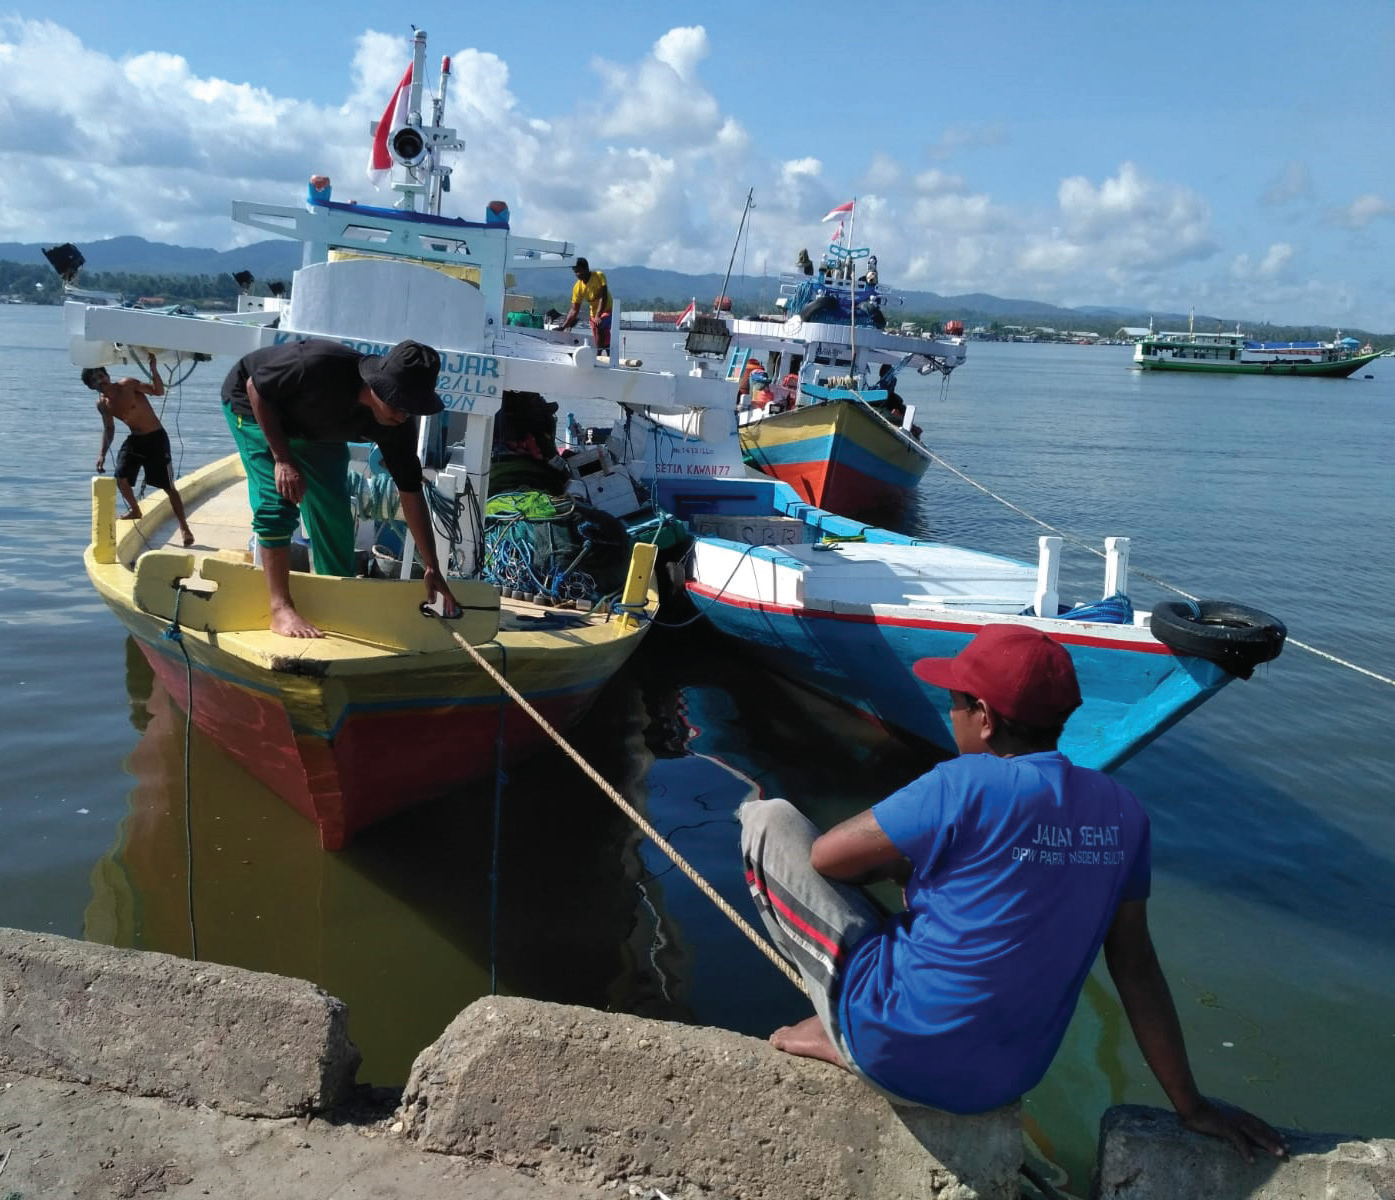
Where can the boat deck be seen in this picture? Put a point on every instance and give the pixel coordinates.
(881, 573)
(221, 522)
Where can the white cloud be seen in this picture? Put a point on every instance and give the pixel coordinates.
(967, 137)
(1294, 182)
(1361, 212)
(935, 181)
(648, 166)
(661, 96)
(1276, 259)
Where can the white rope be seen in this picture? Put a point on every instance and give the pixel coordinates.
(1095, 550)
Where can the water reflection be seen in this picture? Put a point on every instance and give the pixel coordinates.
(410, 923)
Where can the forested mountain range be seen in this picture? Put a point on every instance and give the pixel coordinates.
(137, 267)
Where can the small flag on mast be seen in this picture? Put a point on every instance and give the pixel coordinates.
(688, 314)
(842, 208)
(837, 237)
(394, 117)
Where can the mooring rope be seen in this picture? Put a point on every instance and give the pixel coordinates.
(176, 635)
(1076, 540)
(630, 811)
(500, 781)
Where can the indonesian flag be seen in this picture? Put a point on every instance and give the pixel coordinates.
(837, 234)
(842, 208)
(688, 314)
(394, 116)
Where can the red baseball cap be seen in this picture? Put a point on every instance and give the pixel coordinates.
(1017, 670)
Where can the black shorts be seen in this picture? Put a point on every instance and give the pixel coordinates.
(150, 451)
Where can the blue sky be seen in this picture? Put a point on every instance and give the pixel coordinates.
(1232, 157)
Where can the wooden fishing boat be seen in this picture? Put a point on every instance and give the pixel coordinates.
(389, 708)
(832, 426)
(384, 711)
(847, 608)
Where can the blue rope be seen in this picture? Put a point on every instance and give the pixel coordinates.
(1112, 610)
(174, 634)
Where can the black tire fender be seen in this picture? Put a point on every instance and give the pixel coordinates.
(1235, 637)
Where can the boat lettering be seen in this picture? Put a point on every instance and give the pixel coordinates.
(281, 338)
(708, 469)
(481, 365)
(465, 376)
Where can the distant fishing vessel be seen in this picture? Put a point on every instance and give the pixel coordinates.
(828, 421)
(1233, 353)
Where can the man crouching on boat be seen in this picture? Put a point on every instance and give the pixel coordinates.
(293, 410)
(1016, 867)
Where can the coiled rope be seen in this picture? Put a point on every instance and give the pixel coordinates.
(630, 811)
(1162, 583)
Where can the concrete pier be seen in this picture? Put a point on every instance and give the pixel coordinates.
(124, 1074)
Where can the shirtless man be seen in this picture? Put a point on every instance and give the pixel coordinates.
(147, 445)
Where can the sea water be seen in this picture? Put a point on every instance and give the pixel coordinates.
(1273, 822)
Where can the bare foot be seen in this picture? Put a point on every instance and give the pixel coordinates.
(133, 515)
(289, 623)
(808, 1039)
(188, 538)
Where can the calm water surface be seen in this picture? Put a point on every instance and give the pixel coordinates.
(1274, 830)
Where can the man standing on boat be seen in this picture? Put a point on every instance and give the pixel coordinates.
(146, 447)
(1016, 867)
(591, 287)
(292, 410)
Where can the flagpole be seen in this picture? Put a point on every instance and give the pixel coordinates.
(852, 292)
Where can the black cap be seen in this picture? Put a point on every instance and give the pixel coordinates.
(405, 377)
(581, 265)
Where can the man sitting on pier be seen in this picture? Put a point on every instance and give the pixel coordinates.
(1016, 867)
(146, 447)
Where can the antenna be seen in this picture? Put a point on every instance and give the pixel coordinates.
(750, 204)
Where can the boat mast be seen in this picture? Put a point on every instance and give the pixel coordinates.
(750, 204)
(417, 147)
(439, 175)
(852, 295)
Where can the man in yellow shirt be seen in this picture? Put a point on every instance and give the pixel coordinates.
(591, 287)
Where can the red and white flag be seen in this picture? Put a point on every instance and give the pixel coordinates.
(394, 116)
(837, 234)
(842, 208)
(688, 314)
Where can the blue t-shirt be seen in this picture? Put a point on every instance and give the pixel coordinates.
(1018, 866)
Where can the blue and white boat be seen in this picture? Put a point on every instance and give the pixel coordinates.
(846, 608)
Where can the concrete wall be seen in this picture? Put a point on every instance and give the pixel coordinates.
(1146, 1154)
(589, 1097)
(599, 1097)
(154, 1025)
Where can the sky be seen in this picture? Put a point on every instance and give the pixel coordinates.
(1236, 158)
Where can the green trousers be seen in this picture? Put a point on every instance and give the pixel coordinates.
(328, 510)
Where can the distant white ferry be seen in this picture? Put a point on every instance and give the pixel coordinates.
(1233, 353)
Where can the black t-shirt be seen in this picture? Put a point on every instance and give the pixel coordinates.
(314, 386)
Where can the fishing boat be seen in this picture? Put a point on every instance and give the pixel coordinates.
(846, 608)
(391, 706)
(1235, 354)
(833, 427)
